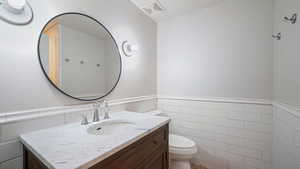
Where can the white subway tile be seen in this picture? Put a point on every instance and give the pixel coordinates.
(267, 118)
(10, 150)
(257, 136)
(281, 158)
(245, 152)
(229, 139)
(195, 112)
(297, 139)
(259, 127)
(237, 130)
(257, 145)
(234, 161)
(287, 118)
(296, 154)
(172, 108)
(195, 126)
(258, 164)
(228, 131)
(221, 146)
(12, 131)
(76, 117)
(267, 156)
(286, 151)
(258, 108)
(198, 133)
(252, 135)
(282, 132)
(13, 164)
(141, 106)
(247, 116)
(210, 161)
(229, 123)
(206, 149)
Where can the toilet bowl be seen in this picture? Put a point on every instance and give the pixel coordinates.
(181, 149)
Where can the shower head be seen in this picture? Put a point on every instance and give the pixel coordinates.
(292, 20)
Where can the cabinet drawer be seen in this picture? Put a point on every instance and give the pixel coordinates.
(139, 152)
(158, 160)
(31, 162)
(157, 163)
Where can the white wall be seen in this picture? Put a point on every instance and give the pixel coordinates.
(286, 139)
(23, 85)
(286, 148)
(222, 51)
(286, 54)
(209, 58)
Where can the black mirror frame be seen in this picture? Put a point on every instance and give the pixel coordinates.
(45, 73)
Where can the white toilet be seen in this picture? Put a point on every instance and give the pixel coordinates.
(181, 149)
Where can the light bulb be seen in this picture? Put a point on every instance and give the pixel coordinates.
(17, 4)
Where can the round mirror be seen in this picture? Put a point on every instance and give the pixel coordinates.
(79, 56)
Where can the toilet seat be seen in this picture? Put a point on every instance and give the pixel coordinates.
(181, 145)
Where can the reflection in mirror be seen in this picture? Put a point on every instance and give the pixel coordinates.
(79, 56)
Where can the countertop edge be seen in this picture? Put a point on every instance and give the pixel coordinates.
(101, 157)
(44, 161)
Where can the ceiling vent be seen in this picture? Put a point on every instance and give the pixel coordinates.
(150, 7)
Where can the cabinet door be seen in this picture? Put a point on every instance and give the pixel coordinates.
(159, 162)
(31, 162)
(139, 153)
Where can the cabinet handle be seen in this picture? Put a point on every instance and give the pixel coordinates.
(155, 142)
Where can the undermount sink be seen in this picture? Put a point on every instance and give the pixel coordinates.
(109, 127)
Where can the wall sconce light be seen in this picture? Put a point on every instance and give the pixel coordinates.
(17, 12)
(129, 49)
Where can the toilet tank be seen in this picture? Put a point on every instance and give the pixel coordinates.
(157, 113)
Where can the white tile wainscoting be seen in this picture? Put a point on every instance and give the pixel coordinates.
(286, 137)
(16, 123)
(230, 133)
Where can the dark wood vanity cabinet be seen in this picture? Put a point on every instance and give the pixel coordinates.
(150, 152)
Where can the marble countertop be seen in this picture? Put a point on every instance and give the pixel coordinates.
(71, 147)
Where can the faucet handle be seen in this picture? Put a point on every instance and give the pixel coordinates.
(97, 105)
(106, 109)
(96, 115)
(104, 103)
(84, 120)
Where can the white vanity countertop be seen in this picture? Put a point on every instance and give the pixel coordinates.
(71, 147)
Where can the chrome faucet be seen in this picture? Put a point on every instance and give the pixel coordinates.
(96, 112)
(105, 109)
(84, 120)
